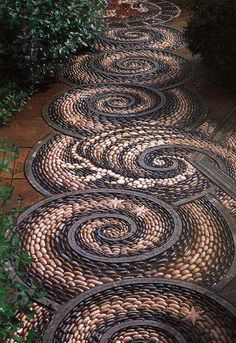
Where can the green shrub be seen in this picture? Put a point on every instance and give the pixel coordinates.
(12, 100)
(35, 35)
(211, 33)
(14, 296)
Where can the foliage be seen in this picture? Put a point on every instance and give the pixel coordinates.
(211, 33)
(36, 35)
(14, 297)
(12, 100)
(9, 154)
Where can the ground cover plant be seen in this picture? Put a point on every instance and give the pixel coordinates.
(14, 296)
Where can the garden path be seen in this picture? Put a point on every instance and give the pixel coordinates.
(28, 127)
(153, 192)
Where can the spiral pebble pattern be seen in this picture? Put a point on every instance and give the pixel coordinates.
(91, 109)
(82, 240)
(161, 69)
(137, 225)
(154, 160)
(147, 310)
(139, 37)
(154, 11)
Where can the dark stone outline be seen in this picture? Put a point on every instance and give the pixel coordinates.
(51, 123)
(53, 304)
(122, 25)
(162, 326)
(174, 85)
(63, 310)
(30, 176)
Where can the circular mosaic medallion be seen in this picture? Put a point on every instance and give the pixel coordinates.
(145, 310)
(150, 159)
(140, 37)
(81, 240)
(150, 11)
(87, 110)
(161, 69)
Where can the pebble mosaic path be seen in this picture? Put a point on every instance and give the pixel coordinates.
(137, 234)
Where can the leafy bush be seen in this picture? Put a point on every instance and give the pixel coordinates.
(211, 33)
(8, 154)
(9, 322)
(14, 296)
(36, 35)
(12, 100)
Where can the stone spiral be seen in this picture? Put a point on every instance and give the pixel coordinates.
(90, 109)
(78, 241)
(154, 11)
(139, 37)
(153, 160)
(139, 222)
(145, 310)
(161, 69)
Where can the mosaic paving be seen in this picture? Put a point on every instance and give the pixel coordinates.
(82, 240)
(144, 204)
(154, 160)
(230, 141)
(223, 132)
(228, 201)
(150, 11)
(207, 128)
(140, 37)
(161, 69)
(91, 109)
(144, 310)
